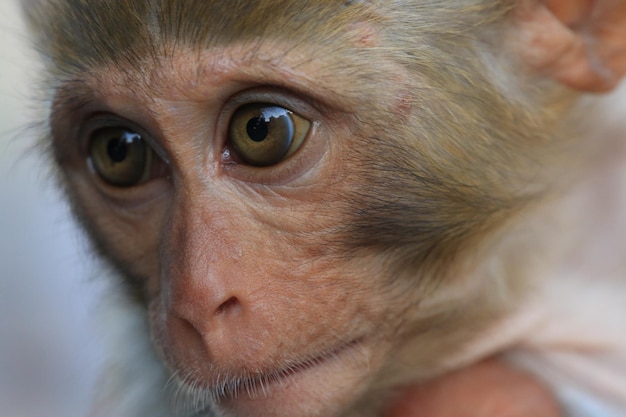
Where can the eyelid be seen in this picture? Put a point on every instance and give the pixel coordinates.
(280, 97)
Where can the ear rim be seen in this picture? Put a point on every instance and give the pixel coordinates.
(568, 41)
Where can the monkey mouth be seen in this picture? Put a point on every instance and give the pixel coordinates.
(229, 387)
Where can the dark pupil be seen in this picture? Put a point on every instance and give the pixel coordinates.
(258, 128)
(117, 148)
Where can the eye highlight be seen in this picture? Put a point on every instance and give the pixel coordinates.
(264, 134)
(121, 157)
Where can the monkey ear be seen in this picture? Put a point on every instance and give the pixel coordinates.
(580, 43)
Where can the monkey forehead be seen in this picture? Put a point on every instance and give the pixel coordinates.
(218, 73)
(107, 30)
(337, 72)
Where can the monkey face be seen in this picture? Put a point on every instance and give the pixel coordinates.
(217, 194)
(285, 192)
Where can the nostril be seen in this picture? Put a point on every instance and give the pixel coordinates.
(229, 304)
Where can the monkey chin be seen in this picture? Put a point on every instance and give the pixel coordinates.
(324, 386)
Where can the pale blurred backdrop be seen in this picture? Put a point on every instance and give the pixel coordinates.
(49, 349)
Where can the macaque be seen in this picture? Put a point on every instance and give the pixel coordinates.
(323, 204)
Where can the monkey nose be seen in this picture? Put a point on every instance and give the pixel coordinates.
(206, 311)
(227, 306)
(206, 329)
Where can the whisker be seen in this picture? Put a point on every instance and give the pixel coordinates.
(192, 395)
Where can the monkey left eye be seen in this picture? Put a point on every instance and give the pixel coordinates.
(121, 157)
(265, 134)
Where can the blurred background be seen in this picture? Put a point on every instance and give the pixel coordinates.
(49, 347)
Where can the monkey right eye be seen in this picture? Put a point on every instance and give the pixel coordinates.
(264, 134)
(122, 158)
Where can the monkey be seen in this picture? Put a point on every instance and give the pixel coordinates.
(319, 205)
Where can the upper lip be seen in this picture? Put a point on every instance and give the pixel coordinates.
(229, 385)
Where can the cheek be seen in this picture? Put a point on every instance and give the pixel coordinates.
(262, 302)
(264, 309)
(128, 238)
(240, 292)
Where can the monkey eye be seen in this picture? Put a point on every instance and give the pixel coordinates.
(121, 157)
(263, 134)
